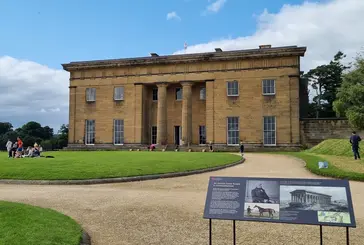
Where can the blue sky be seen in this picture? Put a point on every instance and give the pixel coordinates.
(54, 32)
(36, 37)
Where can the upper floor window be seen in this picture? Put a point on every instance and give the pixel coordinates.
(90, 94)
(269, 87)
(233, 88)
(155, 94)
(203, 93)
(178, 93)
(119, 93)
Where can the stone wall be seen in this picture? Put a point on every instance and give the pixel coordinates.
(313, 131)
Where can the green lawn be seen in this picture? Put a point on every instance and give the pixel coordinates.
(107, 164)
(22, 224)
(338, 153)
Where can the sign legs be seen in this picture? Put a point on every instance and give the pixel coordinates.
(347, 235)
(234, 233)
(320, 234)
(210, 235)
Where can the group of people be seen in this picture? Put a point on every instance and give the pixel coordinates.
(16, 150)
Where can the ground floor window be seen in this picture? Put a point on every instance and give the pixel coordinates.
(233, 130)
(202, 133)
(90, 132)
(118, 132)
(154, 134)
(269, 126)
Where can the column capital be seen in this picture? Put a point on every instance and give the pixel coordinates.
(186, 83)
(161, 84)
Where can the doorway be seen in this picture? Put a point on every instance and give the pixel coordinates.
(177, 135)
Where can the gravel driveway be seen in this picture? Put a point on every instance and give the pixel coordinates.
(169, 211)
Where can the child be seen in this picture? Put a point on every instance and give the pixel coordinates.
(241, 148)
(9, 145)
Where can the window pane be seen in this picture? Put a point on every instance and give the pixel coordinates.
(233, 130)
(119, 93)
(118, 131)
(154, 135)
(202, 93)
(269, 127)
(90, 132)
(155, 94)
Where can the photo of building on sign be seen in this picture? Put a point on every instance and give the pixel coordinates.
(261, 191)
(333, 217)
(261, 210)
(316, 198)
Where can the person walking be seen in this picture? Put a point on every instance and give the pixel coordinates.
(241, 148)
(9, 145)
(354, 141)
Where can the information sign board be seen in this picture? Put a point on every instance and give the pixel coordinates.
(323, 202)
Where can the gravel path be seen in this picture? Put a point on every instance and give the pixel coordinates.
(169, 211)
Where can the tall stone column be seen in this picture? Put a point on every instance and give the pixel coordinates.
(187, 112)
(162, 114)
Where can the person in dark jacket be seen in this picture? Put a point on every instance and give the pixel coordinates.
(354, 140)
(241, 148)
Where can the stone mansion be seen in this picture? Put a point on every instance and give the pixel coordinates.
(222, 97)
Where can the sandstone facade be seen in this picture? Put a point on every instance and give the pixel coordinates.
(188, 99)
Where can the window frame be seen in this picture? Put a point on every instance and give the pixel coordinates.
(122, 94)
(180, 88)
(87, 135)
(151, 134)
(156, 94)
(199, 134)
(275, 131)
(274, 86)
(87, 95)
(227, 130)
(122, 139)
(228, 90)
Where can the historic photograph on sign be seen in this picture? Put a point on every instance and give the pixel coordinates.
(261, 210)
(333, 217)
(316, 198)
(262, 191)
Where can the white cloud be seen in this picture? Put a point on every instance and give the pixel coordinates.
(324, 28)
(30, 91)
(215, 6)
(173, 15)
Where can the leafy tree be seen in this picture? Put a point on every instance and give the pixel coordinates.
(325, 80)
(5, 127)
(350, 97)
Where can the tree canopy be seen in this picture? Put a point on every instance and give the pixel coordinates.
(325, 80)
(32, 132)
(350, 97)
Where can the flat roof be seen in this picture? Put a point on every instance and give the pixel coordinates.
(317, 193)
(188, 58)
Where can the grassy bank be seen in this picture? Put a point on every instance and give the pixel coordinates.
(338, 154)
(108, 164)
(22, 224)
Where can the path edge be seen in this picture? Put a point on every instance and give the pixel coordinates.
(119, 180)
(86, 239)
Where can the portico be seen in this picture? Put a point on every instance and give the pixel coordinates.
(186, 112)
